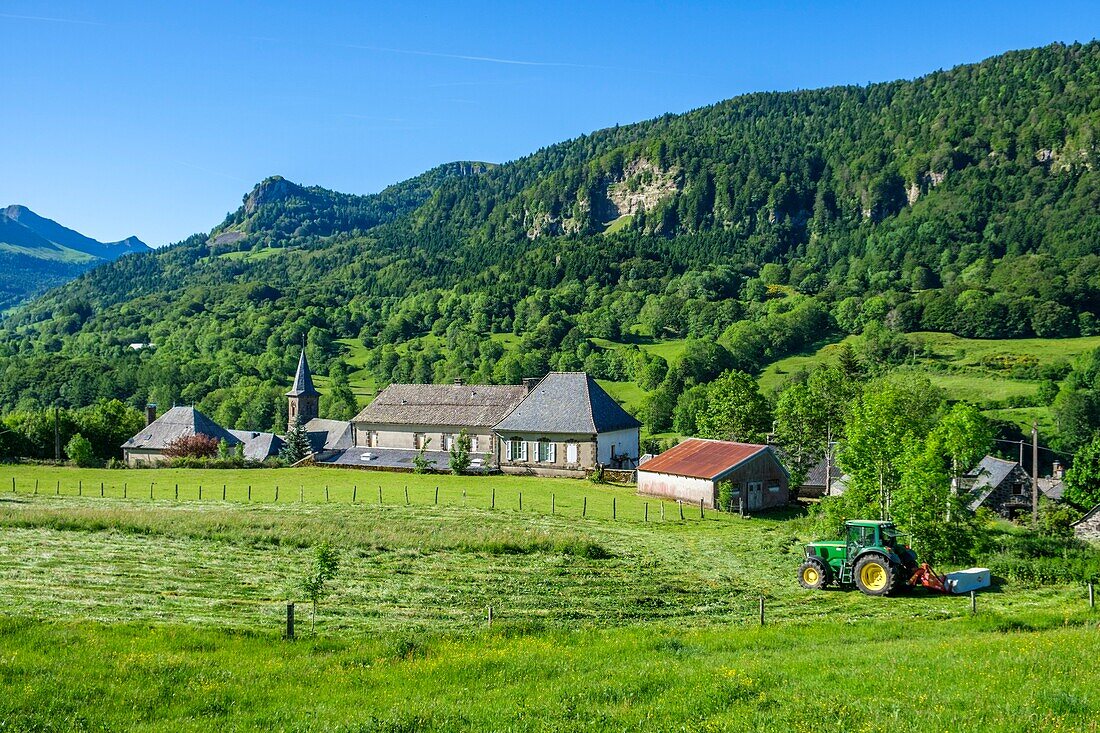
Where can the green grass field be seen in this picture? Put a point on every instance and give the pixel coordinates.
(165, 614)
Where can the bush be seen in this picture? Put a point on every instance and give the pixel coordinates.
(79, 450)
(192, 446)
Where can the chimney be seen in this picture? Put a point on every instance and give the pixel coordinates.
(150, 413)
(529, 383)
(1057, 471)
(459, 381)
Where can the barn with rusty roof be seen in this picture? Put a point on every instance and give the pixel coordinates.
(698, 470)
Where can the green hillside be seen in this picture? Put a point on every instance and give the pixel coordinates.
(964, 203)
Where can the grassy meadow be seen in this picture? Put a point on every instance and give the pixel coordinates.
(165, 614)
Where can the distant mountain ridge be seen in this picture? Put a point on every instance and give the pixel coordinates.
(37, 253)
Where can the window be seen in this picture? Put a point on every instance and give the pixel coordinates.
(448, 441)
(546, 451)
(473, 444)
(517, 450)
(1018, 488)
(571, 453)
(420, 440)
(773, 488)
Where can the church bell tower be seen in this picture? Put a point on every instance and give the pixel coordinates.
(303, 397)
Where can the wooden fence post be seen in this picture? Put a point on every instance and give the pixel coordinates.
(584, 507)
(553, 504)
(761, 610)
(493, 501)
(662, 511)
(647, 511)
(1092, 596)
(354, 492)
(36, 487)
(973, 601)
(250, 492)
(177, 492)
(614, 507)
(406, 496)
(276, 493)
(79, 487)
(490, 616)
(290, 620)
(13, 484)
(301, 494)
(521, 501)
(200, 492)
(326, 493)
(57, 491)
(681, 505)
(379, 496)
(437, 496)
(701, 509)
(151, 489)
(100, 489)
(125, 489)
(223, 492)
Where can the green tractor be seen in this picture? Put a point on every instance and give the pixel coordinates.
(872, 557)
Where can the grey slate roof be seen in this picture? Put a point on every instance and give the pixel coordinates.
(175, 423)
(258, 446)
(303, 380)
(470, 405)
(1052, 488)
(988, 475)
(567, 402)
(328, 434)
(816, 475)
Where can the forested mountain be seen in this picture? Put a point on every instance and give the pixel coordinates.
(37, 253)
(964, 201)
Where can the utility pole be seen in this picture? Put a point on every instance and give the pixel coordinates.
(56, 436)
(1035, 474)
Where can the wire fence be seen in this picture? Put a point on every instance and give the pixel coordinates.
(603, 506)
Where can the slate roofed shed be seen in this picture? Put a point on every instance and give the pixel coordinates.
(568, 403)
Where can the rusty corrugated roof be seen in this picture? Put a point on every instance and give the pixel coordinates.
(699, 458)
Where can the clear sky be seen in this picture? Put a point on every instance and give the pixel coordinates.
(154, 118)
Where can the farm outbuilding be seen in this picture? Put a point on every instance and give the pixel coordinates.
(697, 469)
(1088, 527)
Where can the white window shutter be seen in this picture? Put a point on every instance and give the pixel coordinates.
(553, 452)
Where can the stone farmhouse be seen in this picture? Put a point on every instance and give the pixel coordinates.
(561, 425)
(998, 484)
(564, 424)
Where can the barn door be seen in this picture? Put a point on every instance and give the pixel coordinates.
(756, 495)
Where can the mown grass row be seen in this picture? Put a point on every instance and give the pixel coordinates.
(982, 674)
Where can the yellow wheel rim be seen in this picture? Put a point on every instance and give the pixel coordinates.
(873, 576)
(810, 576)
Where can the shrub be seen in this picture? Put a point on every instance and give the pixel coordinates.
(79, 450)
(192, 446)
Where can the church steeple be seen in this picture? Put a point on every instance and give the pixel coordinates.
(303, 397)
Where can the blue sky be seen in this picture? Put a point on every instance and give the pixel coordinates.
(155, 118)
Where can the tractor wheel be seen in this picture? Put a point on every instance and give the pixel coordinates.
(813, 574)
(875, 575)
